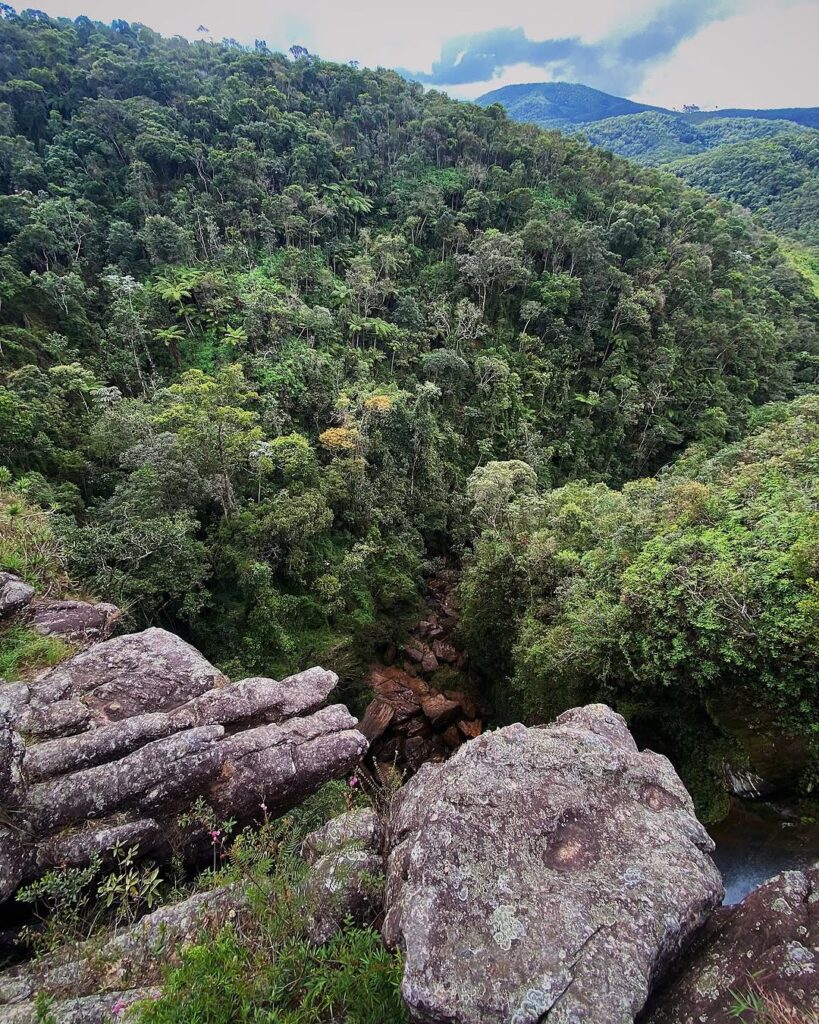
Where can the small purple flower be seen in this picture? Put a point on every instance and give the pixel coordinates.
(353, 781)
(118, 1007)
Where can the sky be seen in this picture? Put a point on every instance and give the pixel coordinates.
(714, 53)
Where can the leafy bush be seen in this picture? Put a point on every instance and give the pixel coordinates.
(260, 966)
(238, 978)
(28, 546)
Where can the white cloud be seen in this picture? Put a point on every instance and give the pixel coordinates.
(763, 58)
(513, 74)
(393, 33)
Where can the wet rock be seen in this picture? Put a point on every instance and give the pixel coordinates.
(429, 663)
(15, 595)
(746, 784)
(439, 710)
(766, 945)
(544, 874)
(452, 737)
(470, 729)
(376, 719)
(416, 650)
(445, 651)
(77, 622)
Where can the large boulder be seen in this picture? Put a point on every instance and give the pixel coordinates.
(15, 594)
(544, 873)
(766, 947)
(149, 671)
(346, 878)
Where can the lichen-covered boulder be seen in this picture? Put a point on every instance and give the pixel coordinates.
(117, 742)
(766, 946)
(116, 971)
(360, 829)
(544, 874)
(346, 879)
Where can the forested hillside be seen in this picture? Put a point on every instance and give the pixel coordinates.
(765, 160)
(778, 179)
(261, 318)
(653, 138)
(689, 599)
(567, 105)
(562, 104)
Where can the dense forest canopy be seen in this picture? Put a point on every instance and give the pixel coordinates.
(261, 319)
(764, 160)
(777, 178)
(655, 138)
(680, 598)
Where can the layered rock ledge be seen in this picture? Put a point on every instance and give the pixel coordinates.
(114, 743)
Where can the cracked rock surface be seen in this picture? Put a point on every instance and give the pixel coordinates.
(544, 874)
(769, 941)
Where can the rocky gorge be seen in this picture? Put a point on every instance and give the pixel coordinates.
(552, 873)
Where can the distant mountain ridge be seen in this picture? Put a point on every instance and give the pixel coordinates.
(561, 104)
(555, 104)
(765, 160)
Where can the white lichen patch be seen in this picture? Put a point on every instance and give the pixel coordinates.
(505, 926)
(798, 960)
(539, 999)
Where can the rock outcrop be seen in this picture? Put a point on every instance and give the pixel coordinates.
(77, 622)
(767, 946)
(15, 595)
(114, 743)
(544, 874)
(346, 880)
(87, 986)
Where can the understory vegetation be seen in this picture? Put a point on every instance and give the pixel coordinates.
(255, 962)
(262, 320)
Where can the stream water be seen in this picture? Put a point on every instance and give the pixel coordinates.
(758, 840)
